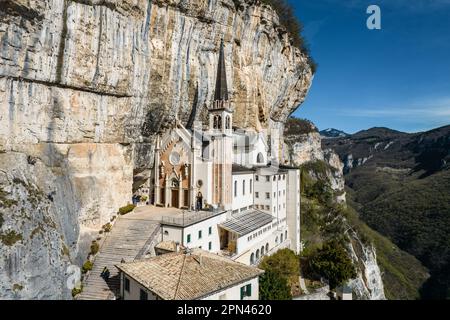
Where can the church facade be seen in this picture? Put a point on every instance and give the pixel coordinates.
(236, 200)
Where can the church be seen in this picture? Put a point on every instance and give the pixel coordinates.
(235, 199)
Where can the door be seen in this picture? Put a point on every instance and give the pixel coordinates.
(175, 198)
(186, 198)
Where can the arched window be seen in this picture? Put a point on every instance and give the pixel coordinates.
(257, 254)
(215, 122)
(281, 238)
(235, 188)
(262, 251)
(251, 183)
(219, 122)
(285, 234)
(267, 248)
(227, 122)
(260, 158)
(252, 258)
(243, 187)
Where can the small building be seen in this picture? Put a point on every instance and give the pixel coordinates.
(344, 293)
(188, 275)
(167, 247)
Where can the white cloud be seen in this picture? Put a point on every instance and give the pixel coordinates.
(437, 109)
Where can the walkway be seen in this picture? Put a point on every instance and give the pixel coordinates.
(131, 235)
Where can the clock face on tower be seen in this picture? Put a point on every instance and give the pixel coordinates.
(174, 158)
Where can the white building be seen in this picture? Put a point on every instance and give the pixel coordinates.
(181, 276)
(235, 202)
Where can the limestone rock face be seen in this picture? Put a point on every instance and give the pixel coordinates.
(300, 149)
(84, 87)
(303, 148)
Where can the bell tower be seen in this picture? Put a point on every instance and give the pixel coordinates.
(221, 132)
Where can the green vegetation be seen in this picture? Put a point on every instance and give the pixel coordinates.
(107, 227)
(284, 262)
(94, 247)
(10, 238)
(414, 213)
(5, 201)
(297, 126)
(126, 209)
(333, 263)
(87, 266)
(17, 287)
(76, 291)
(273, 286)
(293, 26)
(322, 220)
(282, 270)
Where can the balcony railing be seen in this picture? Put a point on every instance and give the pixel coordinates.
(189, 217)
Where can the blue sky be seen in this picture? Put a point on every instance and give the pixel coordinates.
(396, 77)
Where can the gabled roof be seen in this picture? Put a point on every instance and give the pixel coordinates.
(188, 275)
(247, 221)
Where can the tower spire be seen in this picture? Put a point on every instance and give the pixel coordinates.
(221, 93)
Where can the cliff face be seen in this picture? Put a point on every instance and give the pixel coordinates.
(305, 149)
(84, 87)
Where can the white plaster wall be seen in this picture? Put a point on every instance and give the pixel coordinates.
(293, 209)
(242, 200)
(135, 287)
(234, 293)
(206, 237)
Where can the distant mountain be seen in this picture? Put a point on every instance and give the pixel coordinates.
(332, 133)
(400, 185)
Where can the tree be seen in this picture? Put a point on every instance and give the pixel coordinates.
(273, 286)
(333, 263)
(284, 262)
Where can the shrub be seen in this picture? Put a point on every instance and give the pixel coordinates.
(94, 247)
(87, 266)
(333, 263)
(76, 291)
(283, 262)
(10, 238)
(273, 286)
(107, 227)
(297, 126)
(126, 209)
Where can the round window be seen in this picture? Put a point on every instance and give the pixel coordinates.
(174, 158)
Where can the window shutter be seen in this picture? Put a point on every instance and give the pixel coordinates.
(249, 290)
(242, 293)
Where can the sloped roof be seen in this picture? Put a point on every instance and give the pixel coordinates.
(247, 221)
(188, 275)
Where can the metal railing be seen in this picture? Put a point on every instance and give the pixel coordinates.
(189, 217)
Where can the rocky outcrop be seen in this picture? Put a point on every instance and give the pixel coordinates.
(324, 164)
(84, 87)
(305, 148)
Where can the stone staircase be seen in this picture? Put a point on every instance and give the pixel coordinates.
(128, 239)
